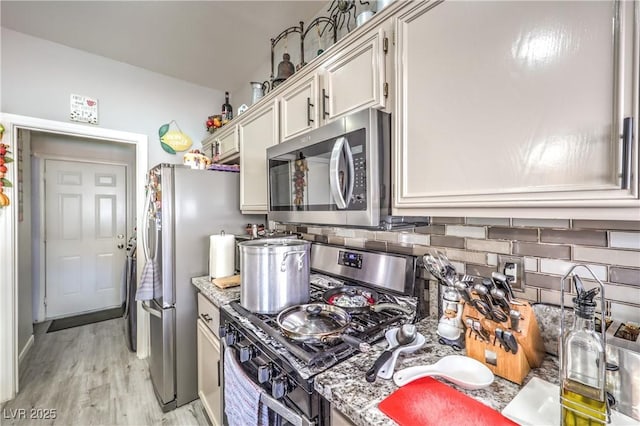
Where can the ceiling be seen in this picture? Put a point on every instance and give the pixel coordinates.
(216, 44)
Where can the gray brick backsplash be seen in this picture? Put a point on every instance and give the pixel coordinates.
(624, 313)
(466, 231)
(400, 248)
(586, 238)
(549, 282)
(612, 257)
(541, 223)
(549, 247)
(553, 297)
(446, 241)
(518, 234)
(622, 293)
(560, 267)
(349, 233)
(503, 247)
(624, 276)
(376, 245)
(334, 239)
(391, 237)
(322, 239)
(542, 250)
(354, 242)
(466, 256)
(431, 229)
(530, 264)
(479, 270)
(626, 240)
(622, 225)
(447, 220)
(413, 238)
(495, 221)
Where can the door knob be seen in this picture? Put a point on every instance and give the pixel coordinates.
(120, 246)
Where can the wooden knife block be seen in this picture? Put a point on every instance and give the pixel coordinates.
(510, 366)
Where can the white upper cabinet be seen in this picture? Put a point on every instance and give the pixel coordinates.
(299, 108)
(258, 130)
(228, 143)
(351, 78)
(517, 105)
(355, 78)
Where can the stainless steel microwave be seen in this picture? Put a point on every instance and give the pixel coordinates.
(337, 174)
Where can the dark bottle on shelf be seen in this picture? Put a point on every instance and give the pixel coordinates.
(227, 109)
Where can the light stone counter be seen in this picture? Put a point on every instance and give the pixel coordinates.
(345, 387)
(217, 295)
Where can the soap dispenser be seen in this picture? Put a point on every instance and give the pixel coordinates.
(583, 389)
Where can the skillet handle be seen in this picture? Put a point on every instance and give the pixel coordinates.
(392, 306)
(356, 343)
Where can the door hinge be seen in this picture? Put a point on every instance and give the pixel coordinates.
(385, 45)
(45, 301)
(385, 89)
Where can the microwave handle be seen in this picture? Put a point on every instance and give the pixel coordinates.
(340, 145)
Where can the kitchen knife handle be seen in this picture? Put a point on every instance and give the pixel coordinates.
(372, 373)
(627, 146)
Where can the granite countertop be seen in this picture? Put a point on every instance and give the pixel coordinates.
(218, 296)
(345, 387)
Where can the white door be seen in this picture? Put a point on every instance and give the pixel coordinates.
(85, 205)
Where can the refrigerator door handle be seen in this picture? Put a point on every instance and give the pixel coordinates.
(145, 226)
(154, 312)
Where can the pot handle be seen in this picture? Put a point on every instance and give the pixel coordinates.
(302, 253)
(392, 306)
(356, 343)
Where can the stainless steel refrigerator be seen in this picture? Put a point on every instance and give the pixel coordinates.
(184, 206)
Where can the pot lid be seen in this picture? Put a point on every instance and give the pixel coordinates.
(314, 319)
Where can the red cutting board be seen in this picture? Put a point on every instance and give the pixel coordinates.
(427, 401)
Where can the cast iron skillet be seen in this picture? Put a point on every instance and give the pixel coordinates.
(356, 300)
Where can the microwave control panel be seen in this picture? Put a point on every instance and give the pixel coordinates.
(359, 197)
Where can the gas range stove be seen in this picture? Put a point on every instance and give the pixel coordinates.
(311, 359)
(284, 369)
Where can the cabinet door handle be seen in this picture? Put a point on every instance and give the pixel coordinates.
(309, 105)
(206, 317)
(325, 98)
(219, 373)
(627, 144)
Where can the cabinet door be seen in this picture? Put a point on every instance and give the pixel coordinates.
(209, 374)
(515, 104)
(258, 132)
(228, 144)
(355, 79)
(299, 108)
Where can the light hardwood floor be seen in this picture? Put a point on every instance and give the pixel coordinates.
(89, 377)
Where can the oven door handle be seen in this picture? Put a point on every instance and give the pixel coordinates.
(285, 412)
(341, 145)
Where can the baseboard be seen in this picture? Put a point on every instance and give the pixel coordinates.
(25, 350)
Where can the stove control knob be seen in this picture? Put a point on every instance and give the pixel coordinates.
(279, 387)
(246, 353)
(264, 373)
(222, 330)
(230, 337)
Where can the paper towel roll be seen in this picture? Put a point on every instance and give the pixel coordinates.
(222, 252)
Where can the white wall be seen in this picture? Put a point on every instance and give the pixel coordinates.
(25, 314)
(38, 77)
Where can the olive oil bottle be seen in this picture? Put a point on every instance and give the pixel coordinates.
(583, 399)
